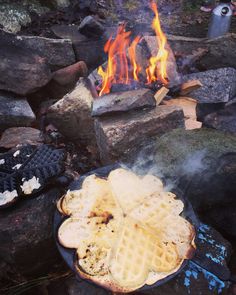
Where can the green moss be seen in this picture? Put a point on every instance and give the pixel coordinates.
(173, 148)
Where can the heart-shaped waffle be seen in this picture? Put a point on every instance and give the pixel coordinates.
(127, 231)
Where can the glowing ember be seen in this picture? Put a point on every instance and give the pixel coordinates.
(117, 71)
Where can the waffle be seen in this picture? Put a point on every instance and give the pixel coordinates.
(161, 205)
(127, 231)
(137, 252)
(130, 189)
(94, 199)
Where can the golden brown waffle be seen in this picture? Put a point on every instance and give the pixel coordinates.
(127, 231)
(138, 252)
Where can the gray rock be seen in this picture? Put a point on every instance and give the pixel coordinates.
(204, 109)
(201, 165)
(72, 114)
(123, 102)
(15, 14)
(20, 136)
(27, 245)
(91, 51)
(64, 80)
(21, 70)
(59, 53)
(91, 27)
(218, 85)
(14, 111)
(224, 119)
(121, 136)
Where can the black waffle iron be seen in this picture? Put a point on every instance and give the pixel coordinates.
(44, 163)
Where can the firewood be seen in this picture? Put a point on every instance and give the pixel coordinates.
(189, 86)
(188, 105)
(160, 95)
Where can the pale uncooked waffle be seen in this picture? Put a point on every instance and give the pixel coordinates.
(138, 252)
(181, 232)
(94, 199)
(130, 189)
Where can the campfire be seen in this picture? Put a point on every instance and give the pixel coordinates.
(123, 68)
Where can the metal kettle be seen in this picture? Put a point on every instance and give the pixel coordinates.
(220, 20)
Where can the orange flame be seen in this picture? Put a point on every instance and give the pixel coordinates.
(132, 56)
(117, 70)
(158, 64)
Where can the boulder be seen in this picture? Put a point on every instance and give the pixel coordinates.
(15, 14)
(218, 52)
(200, 164)
(123, 102)
(14, 111)
(224, 119)
(121, 136)
(22, 70)
(91, 27)
(27, 245)
(72, 114)
(90, 50)
(19, 136)
(219, 85)
(204, 109)
(64, 80)
(59, 53)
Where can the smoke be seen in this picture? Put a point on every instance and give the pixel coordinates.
(147, 162)
(194, 163)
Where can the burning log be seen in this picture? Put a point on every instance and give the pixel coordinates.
(121, 136)
(123, 102)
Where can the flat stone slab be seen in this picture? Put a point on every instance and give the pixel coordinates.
(59, 53)
(123, 102)
(20, 136)
(14, 111)
(218, 85)
(22, 70)
(120, 136)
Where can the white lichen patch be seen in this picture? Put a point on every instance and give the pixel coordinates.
(7, 197)
(2, 161)
(17, 166)
(16, 153)
(30, 185)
